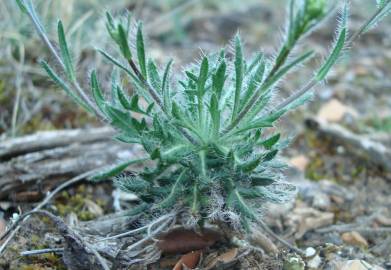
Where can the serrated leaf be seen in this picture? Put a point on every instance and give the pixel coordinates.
(65, 55)
(141, 50)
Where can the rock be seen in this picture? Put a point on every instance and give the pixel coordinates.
(310, 252)
(357, 265)
(355, 239)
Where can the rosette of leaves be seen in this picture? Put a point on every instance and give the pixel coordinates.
(208, 130)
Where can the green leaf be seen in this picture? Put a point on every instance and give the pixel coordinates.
(120, 119)
(176, 111)
(22, 6)
(52, 74)
(123, 42)
(250, 165)
(258, 57)
(215, 112)
(218, 79)
(66, 58)
(337, 49)
(165, 85)
(201, 80)
(254, 82)
(115, 170)
(258, 124)
(141, 50)
(97, 92)
(270, 155)
(123, 99)
(270, 142)
(153, 75)
(261, 181)
(239, 70)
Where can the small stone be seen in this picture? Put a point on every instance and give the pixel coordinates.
(355, 239)
(310, 252)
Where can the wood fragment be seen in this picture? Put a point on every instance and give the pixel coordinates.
(44, 164)
(51, 139)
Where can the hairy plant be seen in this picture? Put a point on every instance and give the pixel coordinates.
(208, 130)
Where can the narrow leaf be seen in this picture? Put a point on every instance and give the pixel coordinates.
(97, 92)
(239, 70)
(66, 58)
(337, 49)
(270, 142)
(123, 42)
(141, 50)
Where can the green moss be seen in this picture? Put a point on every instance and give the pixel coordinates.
(67, 203)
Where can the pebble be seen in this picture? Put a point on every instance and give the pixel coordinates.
(310, 252)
